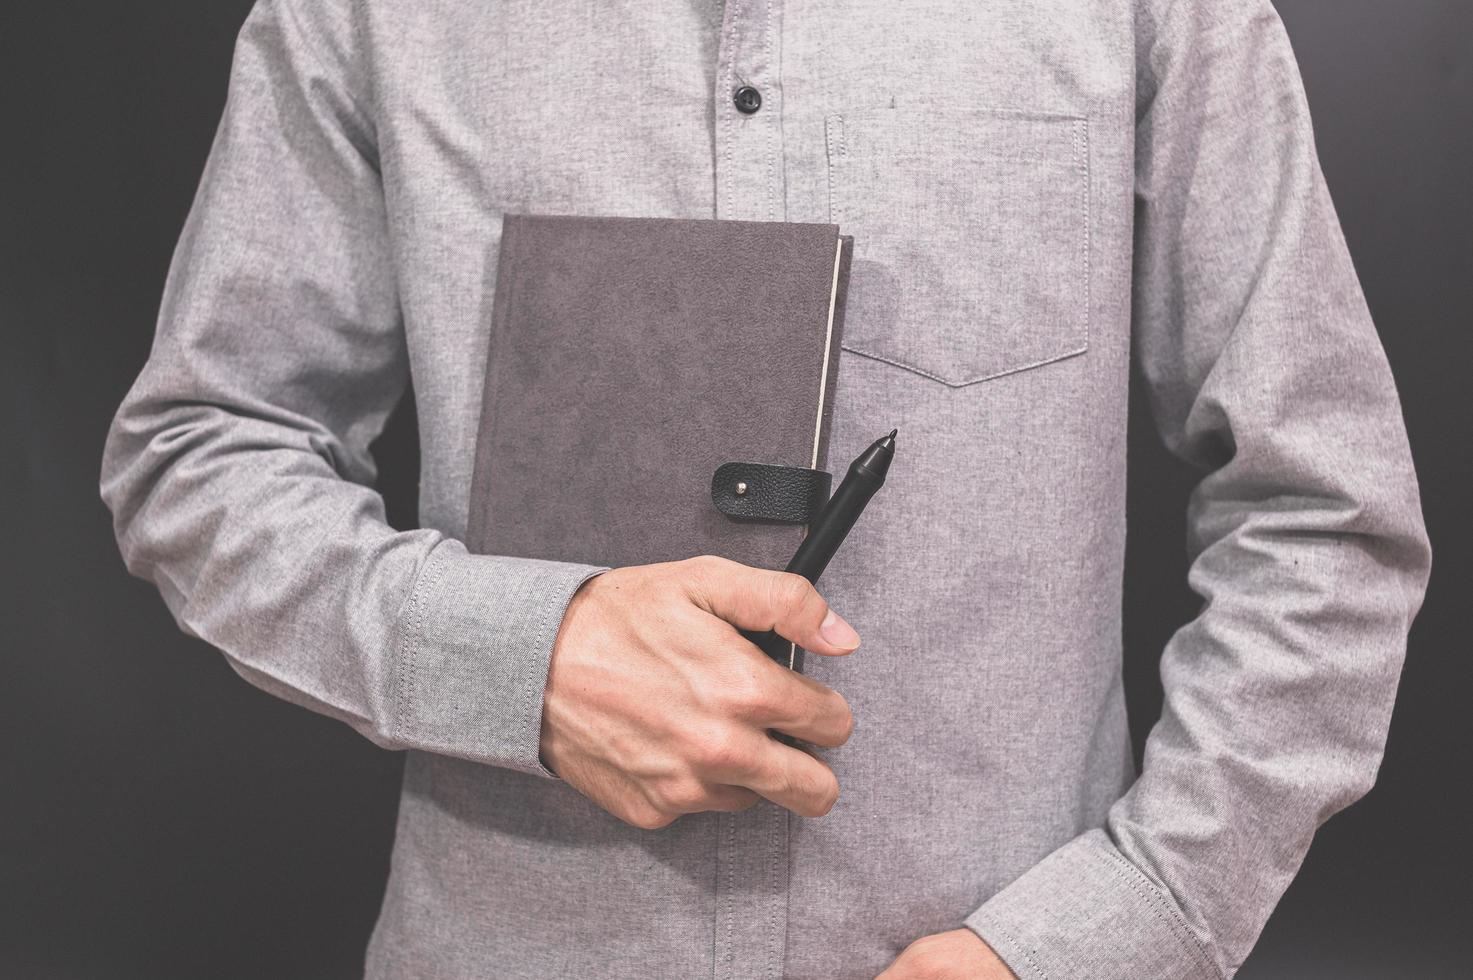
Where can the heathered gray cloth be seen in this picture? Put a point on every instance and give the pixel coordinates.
(1038, 191)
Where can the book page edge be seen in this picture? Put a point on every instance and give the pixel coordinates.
(828, 341)
(823, 382)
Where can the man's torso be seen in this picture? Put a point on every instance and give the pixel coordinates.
(981, 156)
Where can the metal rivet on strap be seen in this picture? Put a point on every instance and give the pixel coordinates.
(741, 488)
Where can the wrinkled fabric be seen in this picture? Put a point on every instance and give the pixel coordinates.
(1038, 192)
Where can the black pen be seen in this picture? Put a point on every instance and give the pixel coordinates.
(828, 530)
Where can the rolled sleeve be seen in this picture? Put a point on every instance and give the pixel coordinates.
(478, 638)
(1085, 911)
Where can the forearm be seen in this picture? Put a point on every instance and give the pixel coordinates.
(264, 550)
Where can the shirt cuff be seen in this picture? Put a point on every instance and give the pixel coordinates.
(1085, 911)
(477, 639)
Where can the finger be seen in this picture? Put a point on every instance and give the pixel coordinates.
(818, 714)
(788, 777)
(793, 703)
(730, 798)
(757, 599)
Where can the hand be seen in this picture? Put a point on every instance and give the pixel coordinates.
(956, 955)
(656, 706)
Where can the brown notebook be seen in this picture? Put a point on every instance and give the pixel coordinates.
(629, 359)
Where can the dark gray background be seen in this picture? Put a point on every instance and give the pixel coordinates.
(162, 819)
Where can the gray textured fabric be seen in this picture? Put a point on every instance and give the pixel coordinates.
(1036, 190)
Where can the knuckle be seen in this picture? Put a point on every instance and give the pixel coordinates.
(648, 817)
(680, 796)
(702, 563)
(746, 690)
(707, 567)
(720, 749)
(690, 574)
(790, 591)
(707, 577)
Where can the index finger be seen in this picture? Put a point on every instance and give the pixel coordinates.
(758, 599)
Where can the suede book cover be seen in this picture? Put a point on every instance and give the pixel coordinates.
(629, 358)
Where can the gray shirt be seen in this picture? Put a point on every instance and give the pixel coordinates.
(1038, 191)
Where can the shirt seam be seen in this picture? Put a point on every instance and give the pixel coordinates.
(967, 381)
(320, 60)
(726, 110)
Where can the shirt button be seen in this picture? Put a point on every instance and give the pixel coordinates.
(747, 99)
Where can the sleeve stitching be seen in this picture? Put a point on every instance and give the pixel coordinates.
(1027, 953)
(1136, 880)
(414, 640)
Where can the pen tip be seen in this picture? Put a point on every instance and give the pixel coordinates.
(892, 434)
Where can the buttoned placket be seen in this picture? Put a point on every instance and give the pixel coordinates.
(749, 103)
(751, 917)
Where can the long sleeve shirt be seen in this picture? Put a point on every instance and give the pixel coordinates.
(1039, 192)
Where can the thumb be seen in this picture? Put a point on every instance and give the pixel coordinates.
(757, 599)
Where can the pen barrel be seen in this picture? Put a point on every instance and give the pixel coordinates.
(827, 533)
(819, 545)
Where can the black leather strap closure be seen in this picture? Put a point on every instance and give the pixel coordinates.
(763, 492)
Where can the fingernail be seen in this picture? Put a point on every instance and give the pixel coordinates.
(839, 633)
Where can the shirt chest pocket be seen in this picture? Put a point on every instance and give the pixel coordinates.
(971, 234)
